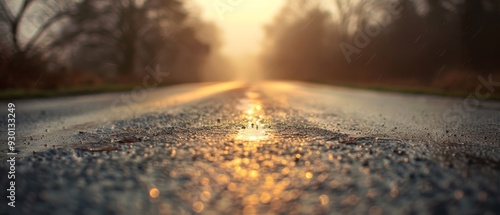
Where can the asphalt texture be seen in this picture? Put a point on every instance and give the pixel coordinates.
(261, 148)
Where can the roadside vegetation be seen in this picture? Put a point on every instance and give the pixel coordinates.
(426, 46)
(54, 47)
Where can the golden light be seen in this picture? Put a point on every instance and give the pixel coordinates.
(223, 179)
(309, 175)
(285, 171)
(253, 113)
(205, 196)
(252, 199)
(254, 173)
(204, 181)
(251, 135)
(250, 112)
(198, 207)
(324, 199)
(241, 22)
(265, 197)
(248, 210)
(154, 193)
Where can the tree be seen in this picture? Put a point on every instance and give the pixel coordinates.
(481, 29)
(115, 41)
(26, 56)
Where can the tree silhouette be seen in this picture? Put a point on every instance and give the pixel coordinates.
(25, 57)
(425, 43)
(115, 41)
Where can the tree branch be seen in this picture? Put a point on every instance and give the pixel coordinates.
(7, 11)
(15, 24)
(42, 29)
(23, 9)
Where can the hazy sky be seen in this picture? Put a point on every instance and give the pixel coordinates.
(241, 22)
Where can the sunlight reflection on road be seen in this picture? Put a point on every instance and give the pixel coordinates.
(253, 171)
(255, 129)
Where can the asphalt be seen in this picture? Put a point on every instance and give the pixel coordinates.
(254, 148)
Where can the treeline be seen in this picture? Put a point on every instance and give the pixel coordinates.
(53, 43)
(445, 43)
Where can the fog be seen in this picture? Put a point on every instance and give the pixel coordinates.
(443, 44)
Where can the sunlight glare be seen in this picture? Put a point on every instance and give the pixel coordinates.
(241, 22)
(253, 114)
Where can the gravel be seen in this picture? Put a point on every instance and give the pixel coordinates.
(207, 158)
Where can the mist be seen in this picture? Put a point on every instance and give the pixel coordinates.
(442, 44)
(63, 44)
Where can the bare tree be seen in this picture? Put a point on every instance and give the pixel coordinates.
(126, 31)
(44, 16)
(417, 45)
(29, 27)
(351, 15)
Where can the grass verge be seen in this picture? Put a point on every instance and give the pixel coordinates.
(416, 90)
(11, 94)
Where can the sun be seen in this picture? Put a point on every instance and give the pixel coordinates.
(240, 21)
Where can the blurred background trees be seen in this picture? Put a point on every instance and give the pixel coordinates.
(51, 43)
(437, 43)
(28, 32)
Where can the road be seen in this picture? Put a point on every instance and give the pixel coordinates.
(254, 148)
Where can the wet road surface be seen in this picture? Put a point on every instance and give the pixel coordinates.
(263, 148)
